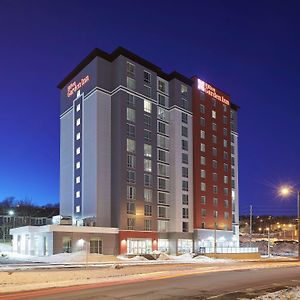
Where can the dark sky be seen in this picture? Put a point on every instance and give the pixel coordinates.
(248, 48)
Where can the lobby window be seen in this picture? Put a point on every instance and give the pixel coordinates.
(130, 224)
(185, 172)
(147, 77)
(67, 244)
(147, 106)
(130, 130)
(78, 136)
(215, 189)
(184, 118)
(184, 145)
(78, 179)
(131, 192)
(130, 161)
(202, 160)
(202, 173)
(202, 122)
(148, 225)
(130, 114)
(185, 199)
(203, 200)
(130, 83)
(203, 212)
(147, 121)
(78, 107)
(185, 213)
(184, 131)
(202, 108)
(203, 187)
(147, 165)
(130, 69)
(96, 246)
(185, 185)
(130, 100)
(130, 208)
(130, 145)
(147, 135)
(202, 147)
(148, 210)
(147, 195)
(214, 114)
(148, 180)
(147, 150)
(78, 122)
(202, 134)
(130, 176)
(184, 158)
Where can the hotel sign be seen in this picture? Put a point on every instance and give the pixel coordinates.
(74, 86)
(210, 90)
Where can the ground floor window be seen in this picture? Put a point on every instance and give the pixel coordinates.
(185, 246)
(139, 246)
(163, 245)
(96, 246)
(67, 245)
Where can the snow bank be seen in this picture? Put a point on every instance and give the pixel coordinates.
(135, 258)
(5, 247)
(291, 294)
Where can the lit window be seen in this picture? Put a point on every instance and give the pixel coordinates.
(214, 126)
(147, 150)
(147, 195)
(225, 143)
(130, 145)
(77, 194)
(203, 187)
(161, 86)
(226, 179)
(203, 174)
(78, 208)
(202, 134)
(214, 114)
(147, 106)
(130, 114)
(147, 165)
(78, 122)
(202, 160)
(78, 107)
(203, 200)
(78, 150)
(78, 165)
(78, 179)
(184, 91)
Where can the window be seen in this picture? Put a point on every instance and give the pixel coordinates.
(185, 185)
(225, 155)
(130, 100)
(161, 86)
(130, 161)
(147, 195)
(202, 134)
(147, 121)
(203, 187)
(162, 198)
(130, 114)
(96, 246)
(214, 151)
(202, 108)
(162, 114)
(226, 191)
(130, 224)
(224, 120)
(130, 83)
(226, 215)
(215, 177)
(215, 189)
(162, 184)
(78, 179)
(130, 145)
(131, 192)
(162, 128)
(161, 100)
(130, 68)
(203, 212)
(162, 212)
(214, 126)
(214, 139)
(147, 91)
(78, 136)
(147, 106)
(130, 176)
(77, 150)
(78, 208)
(148, 210)
(184, 91)
(147, 150)
(131, 208)
(203, 200)
(162, 142)
(130, 130)
(215, 201)
(184, 131)
(215, 213)
(163, 156)
(214, 102)
(148, 225)
(162, 170)
(78, 122)
(225, 131)
(78, 194)
(225, 179)
(225, 143)
(185, 172)
(184, 158)
(226, 203)
(224, 107)
(202, 122)
(225, 168)
(202, 160)
(67, 245)
(184, 145)
(202, 147)
(147, 165)
(214, 114)
(147, 135)
(147, 77)
(78, 165)
(78, 107)
(202, 173)
(185, 199)
(184, 118)
(185, 213)
(214, 164)
(148, 180)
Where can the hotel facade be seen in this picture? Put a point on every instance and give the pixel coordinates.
(147, 157)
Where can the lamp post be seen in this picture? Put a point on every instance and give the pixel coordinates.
(286, 191)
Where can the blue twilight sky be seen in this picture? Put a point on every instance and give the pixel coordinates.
(250, 49)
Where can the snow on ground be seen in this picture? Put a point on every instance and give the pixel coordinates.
(5, 247)
(287, 294)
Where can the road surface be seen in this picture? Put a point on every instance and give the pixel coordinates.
(217, 285)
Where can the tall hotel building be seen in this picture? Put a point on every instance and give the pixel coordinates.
(151, 155)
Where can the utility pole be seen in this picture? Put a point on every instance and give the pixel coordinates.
(250, 229)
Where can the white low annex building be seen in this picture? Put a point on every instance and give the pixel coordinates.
(53, 239)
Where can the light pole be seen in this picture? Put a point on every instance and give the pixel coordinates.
(286, 191)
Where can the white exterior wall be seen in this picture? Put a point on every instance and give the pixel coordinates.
(96, 177)
(66, 164)
(176, 171)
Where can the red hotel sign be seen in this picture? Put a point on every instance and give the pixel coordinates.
(210, 90)
(74, 86)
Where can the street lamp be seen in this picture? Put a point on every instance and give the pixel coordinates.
(285, 191)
